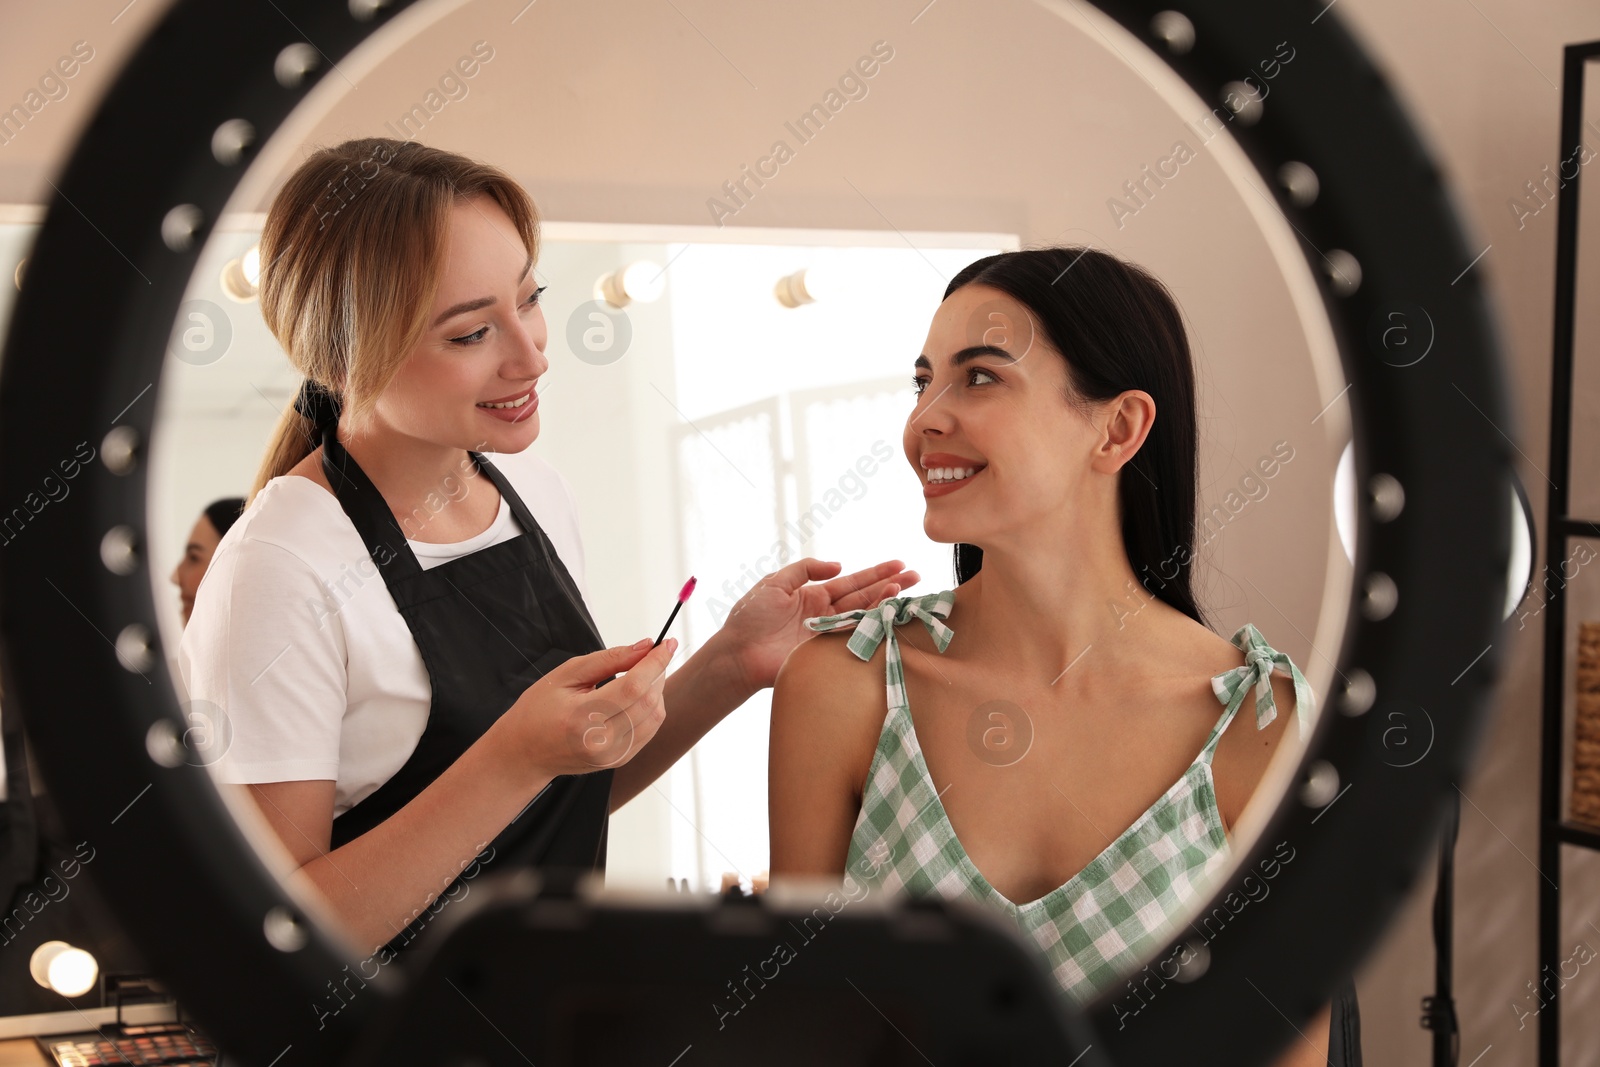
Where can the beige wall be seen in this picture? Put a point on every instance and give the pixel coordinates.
(1003, 118)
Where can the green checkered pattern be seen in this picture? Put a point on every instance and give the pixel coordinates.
(1098, 927)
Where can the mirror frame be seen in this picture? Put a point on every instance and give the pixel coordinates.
(79, 648)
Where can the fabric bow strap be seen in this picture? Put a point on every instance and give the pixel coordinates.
(1260, 661)
(318, 404)
(875, 622)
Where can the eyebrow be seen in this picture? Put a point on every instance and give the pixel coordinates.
(481, 302)
(967, 355)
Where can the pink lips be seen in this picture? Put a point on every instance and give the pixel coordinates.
(933, 489)
(947, 459)
(933, 460)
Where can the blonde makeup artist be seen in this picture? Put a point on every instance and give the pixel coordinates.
(401, 693)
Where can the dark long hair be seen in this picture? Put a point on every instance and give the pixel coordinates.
(223, 513)
(1118, 328)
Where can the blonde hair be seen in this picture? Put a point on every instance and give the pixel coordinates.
(351, 253)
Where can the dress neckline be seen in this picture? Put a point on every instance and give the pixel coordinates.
(1208, 803)
(1208, 806)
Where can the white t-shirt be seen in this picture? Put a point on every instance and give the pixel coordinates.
(294, 635)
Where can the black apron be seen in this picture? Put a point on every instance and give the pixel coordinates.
(488, 624)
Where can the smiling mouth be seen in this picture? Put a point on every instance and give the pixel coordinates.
(517, 403)
(952, 475)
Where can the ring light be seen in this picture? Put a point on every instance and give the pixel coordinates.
(142, 192)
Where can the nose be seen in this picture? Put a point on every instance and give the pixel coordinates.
(530, 361)
(932, 416)
(928, 422)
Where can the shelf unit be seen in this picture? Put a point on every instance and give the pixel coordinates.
(1560, 529)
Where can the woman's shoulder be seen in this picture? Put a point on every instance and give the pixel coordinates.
(300, 516)
(308, 469)
(868, 627)
(831, 691)
(1257, 731)
(1193, 650)
(1217, 681)
(845, 641)
(282, 554)
(1254, 657)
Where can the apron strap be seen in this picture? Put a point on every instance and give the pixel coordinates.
(563, 577)
(385, 541)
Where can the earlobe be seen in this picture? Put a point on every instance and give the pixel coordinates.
(1110, 455)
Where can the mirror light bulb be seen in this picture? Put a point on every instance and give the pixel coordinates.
(58, 966)
(807, 285)
(641, 281)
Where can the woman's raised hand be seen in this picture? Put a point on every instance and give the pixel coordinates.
(563, 724)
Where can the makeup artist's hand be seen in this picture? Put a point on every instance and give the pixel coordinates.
(565, 723)
(768, 622)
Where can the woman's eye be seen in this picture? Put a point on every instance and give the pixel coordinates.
(476, 336)
(918, 383)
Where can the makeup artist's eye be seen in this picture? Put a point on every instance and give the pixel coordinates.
(476, 336)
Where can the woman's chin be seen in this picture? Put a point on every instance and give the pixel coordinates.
(515, 436)
(942, 530)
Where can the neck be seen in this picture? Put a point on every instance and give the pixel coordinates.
(414, 476)
(1044, 607)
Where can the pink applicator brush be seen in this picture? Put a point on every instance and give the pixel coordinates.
(683, 595)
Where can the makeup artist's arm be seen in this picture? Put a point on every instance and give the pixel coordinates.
(380, 881)
(762, 628)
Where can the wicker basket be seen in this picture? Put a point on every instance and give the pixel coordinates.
(1585, 806)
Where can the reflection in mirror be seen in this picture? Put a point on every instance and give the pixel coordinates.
(745, 247)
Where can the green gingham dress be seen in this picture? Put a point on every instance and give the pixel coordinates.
(1096, 927)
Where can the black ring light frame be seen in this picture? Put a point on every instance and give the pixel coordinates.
(82, 662)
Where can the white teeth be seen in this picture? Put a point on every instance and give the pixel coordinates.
(950, 474)
(517, 403)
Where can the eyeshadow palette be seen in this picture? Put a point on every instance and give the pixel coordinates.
(172, 1044)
